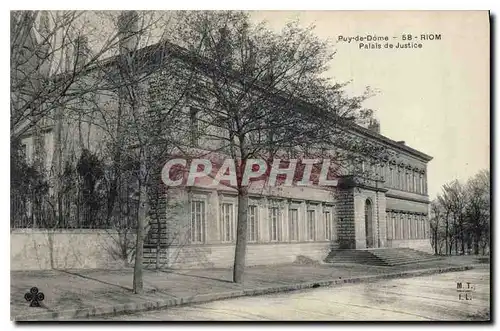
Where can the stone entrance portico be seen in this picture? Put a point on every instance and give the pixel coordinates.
(361, 206)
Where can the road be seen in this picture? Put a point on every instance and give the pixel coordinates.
(428, 298)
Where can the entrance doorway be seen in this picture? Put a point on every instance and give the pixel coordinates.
(369, 223)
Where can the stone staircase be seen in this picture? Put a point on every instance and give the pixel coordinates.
(380, 256)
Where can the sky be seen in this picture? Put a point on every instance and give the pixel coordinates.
(435, 98)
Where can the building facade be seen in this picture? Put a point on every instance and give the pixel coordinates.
(387, 208)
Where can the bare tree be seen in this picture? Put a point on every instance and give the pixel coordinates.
(478, 208)
(152, 83)
(54, 55)
(67, 69)
(435, 222)
(465, 211)
(261, 94)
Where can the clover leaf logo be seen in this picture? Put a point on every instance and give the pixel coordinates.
(34, 297)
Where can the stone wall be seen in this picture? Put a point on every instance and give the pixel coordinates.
(345, 219)
(423, 245)
(69, 249)
(222, 255)
(100, 249)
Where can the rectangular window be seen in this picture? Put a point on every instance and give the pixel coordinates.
(421, 184)
(425, 183)
(197, 233)
(275, 224)
(410, 227)
(420, 227)
(416, 222)
(410, 179)
(226, 222)
(388, 175)
(397, 226)
(423, 227)
(393, 225)
(405, 180)
(408, 174)
(253, 224)
(401, 225)
(426, 227)
(389, 224)
(293, 230)
(311, 225)
(328, 225)
(415, 182)
(417, 226)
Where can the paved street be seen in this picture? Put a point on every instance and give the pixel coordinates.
(416, 299)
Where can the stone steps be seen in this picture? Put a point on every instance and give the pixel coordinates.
(380, 257)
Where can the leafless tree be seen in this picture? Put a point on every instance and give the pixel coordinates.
(261, 94)
(153, 82)
(465, 212)
(478, 209)
(435, 225)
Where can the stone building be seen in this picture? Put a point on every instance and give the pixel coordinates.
(388, 209)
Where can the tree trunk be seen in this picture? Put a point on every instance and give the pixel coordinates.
(476, 243)
(436, 243)
(446, 237)
(158, 243)
(139, 246)
(62, 221)
(241, 236)
(462, 239)
(456, 237)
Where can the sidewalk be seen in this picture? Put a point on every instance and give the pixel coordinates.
(73, 294)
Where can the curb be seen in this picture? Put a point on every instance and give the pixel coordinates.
(128, 308)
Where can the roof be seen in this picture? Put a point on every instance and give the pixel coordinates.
(159, 50)
(392, 143)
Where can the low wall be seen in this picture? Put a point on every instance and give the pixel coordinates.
(423, 245)
(222, 256)
(69, 249)
(101, 249)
